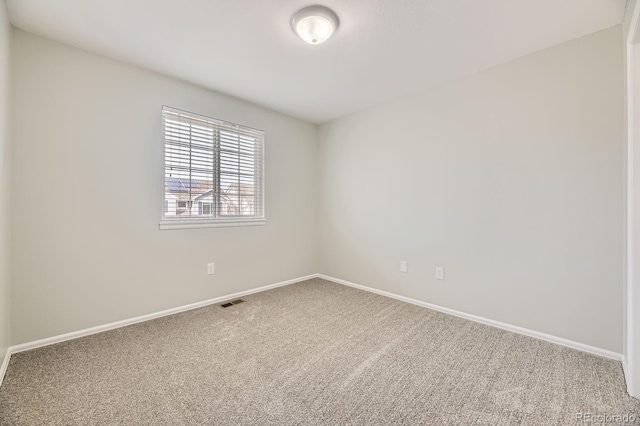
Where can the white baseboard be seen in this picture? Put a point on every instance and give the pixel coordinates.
(627, 368)
(504, 326)
(5, 364)
(106, 327)
(123, 323)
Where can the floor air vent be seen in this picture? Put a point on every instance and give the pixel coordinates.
(233, 302)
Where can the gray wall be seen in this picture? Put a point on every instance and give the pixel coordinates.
(88, 188)
(5, 48)
(512, 179)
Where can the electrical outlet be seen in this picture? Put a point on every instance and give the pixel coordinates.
(403, 266)
(439, 273)
(211, 268)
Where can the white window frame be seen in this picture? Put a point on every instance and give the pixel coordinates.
(202, 205)
(176, 222)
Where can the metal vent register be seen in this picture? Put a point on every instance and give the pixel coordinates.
(233, 302)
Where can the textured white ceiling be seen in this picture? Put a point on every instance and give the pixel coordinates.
(383, 49)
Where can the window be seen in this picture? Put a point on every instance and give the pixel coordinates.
(213, 172)
(205, 209)
(181, 207)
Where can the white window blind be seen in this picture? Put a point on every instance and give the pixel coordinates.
(213, 172)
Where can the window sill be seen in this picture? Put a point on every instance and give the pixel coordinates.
(194, 224)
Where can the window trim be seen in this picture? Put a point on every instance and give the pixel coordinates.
(211, 222)
(208, 223)
(202, 205)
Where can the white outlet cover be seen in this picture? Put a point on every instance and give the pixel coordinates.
(403, 266)
(439, 273)
(211, 268)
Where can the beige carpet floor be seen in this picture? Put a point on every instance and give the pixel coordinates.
(308, 354)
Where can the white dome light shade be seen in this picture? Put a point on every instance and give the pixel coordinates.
(314, 29)
(315, 24)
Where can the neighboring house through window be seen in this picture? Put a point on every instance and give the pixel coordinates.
(213, 172)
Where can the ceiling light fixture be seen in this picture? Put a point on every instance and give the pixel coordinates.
(315, 24)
